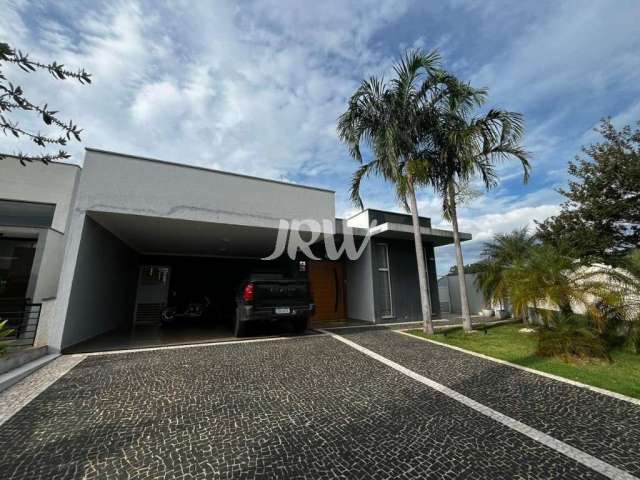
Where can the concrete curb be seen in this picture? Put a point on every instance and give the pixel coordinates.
(14, 376)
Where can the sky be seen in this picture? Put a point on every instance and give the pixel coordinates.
(256, 87)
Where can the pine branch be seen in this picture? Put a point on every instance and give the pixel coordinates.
(12, 128)
(45, 158)
(57, 70)
(48, 116)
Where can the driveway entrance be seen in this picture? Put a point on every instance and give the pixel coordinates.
(303, 407)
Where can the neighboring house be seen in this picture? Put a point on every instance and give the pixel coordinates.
(34, 213)
(140, 228)
(449, 291)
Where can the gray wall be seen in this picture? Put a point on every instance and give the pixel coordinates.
(104, 285)
(476, 299)
(360, 287)
(47, 264)
(405, 292)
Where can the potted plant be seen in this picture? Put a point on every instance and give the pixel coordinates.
(502, 312)
(487, 311)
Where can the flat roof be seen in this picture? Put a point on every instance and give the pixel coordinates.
(206, 169)
(383, 211)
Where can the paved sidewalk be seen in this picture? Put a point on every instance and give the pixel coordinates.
(604, 427)
(303, 408)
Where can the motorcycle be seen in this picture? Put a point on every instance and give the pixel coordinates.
(192, 310)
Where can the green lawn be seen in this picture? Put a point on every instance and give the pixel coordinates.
(507, 343)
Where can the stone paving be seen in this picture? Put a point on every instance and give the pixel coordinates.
(602, 426)
(303, 408)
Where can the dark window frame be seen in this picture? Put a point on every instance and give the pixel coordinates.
(6, 220)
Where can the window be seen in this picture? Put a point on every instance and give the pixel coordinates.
(384, 280)
(26, 214)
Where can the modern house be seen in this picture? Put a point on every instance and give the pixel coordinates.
(139, 229)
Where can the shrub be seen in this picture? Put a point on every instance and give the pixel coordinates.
(4, 332)
(570, 340)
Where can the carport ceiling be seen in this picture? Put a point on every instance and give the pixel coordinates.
(166, 236)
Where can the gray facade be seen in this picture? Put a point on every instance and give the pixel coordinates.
(403, 280)
(360, 295)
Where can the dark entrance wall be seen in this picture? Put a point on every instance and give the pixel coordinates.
(218, 278)
(405, 292)
(104, 285)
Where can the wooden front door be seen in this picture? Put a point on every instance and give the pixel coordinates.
(328, 287)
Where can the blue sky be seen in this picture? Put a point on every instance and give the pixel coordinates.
(255, 87)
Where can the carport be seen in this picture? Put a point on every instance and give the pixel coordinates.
(196, 231)
(136, 266)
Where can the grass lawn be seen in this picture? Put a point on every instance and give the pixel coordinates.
(507, 343)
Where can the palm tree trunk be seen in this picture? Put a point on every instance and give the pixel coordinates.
(427, 324)
(464, 298)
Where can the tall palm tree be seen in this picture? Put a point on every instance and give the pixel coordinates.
(468, 145)
(388, 119)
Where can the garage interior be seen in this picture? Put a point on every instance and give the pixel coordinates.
(132, 267)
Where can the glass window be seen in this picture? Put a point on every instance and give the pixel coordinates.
(381, 255)
(26, 214)
(16, 259)
(383, 280)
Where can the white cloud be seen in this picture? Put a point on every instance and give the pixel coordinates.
(255, 89)
(574, 47)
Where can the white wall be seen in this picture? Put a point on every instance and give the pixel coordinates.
(476, 299)
(36, 182)
(123, 184)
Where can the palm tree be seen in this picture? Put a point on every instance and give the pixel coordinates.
(499, 255)
(466, 146)
(389, 119)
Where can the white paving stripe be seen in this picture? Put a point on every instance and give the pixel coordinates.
(584, 458)
(609, 393)
(189, 345)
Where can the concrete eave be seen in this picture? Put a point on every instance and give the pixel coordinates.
(433, 235)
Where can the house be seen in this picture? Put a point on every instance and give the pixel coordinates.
(140, 229)
(35, 203)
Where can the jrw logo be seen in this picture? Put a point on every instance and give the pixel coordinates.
(290, 241)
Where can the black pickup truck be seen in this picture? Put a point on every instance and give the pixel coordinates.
(273, 297)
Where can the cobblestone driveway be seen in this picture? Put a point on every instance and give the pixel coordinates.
(309, 407)
(602, 426)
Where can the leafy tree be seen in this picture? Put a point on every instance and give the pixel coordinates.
(388, 118)
(13, 99)
(462, 145)
(600, 220)
(469, 268)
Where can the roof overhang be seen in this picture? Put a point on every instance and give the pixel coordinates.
(167, 236)
(432, 235)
